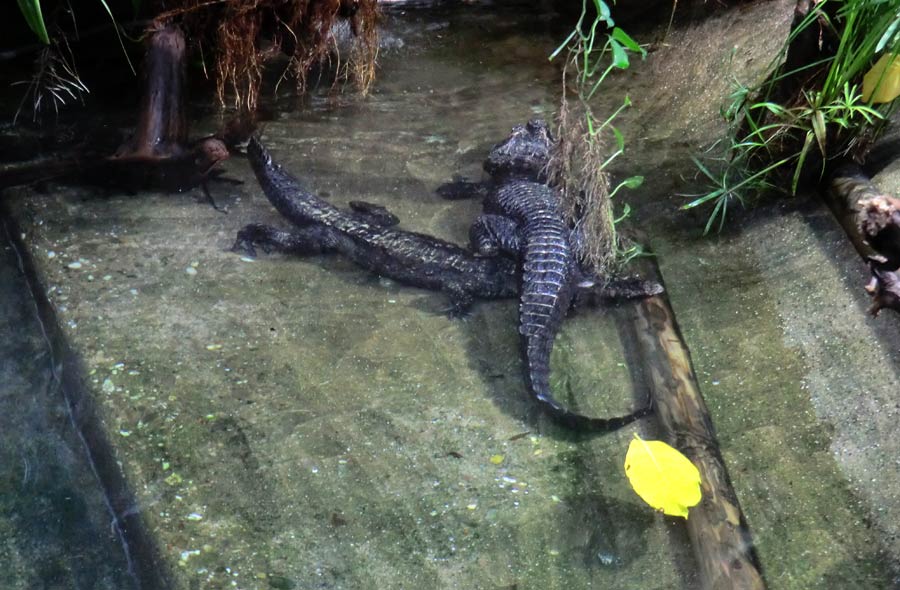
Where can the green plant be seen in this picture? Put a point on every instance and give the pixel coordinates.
(775, 140)
(55, 80)
(31, 10)
(595, 48)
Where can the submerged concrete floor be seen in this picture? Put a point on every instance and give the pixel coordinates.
(55, 522)
(289, 423)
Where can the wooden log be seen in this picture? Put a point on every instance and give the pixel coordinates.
(717, 528)
(871, 220)
(162, 128)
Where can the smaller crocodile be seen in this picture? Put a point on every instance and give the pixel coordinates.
(366, 236)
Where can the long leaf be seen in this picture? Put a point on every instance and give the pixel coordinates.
(118, 35)
(619, 57)
(818, 125)
(31, 10)
(626, 40)
(803, 152)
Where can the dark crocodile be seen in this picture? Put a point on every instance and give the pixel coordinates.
(522, 218)
(364, 235)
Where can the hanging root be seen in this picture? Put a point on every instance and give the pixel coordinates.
(576, 169)
(55, 81)
(245, 34)
(365, 48)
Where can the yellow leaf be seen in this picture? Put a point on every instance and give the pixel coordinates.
(883, 80)
(663, 477)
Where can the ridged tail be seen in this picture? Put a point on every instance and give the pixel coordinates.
(548, 276)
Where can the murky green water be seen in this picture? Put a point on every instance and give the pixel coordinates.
(291, 423)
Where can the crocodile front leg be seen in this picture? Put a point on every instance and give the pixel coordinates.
(310, 239)
(462, 188)
(492, 234)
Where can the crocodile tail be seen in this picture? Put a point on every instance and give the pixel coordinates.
(538, 356)
(582, 423)
(258, 153)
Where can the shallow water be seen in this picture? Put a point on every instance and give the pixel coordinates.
(289, 423)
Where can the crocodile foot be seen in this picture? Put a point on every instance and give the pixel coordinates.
(597, 292)
(461, 301)
(462, 188)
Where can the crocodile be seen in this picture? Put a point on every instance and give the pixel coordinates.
(522, 218)
(366, 235)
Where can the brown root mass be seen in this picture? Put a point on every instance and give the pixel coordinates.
(242, 35)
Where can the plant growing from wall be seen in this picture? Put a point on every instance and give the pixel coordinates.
(811, 109)
(594, 49)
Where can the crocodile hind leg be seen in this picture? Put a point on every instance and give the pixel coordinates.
(492, 234)
(311, 239)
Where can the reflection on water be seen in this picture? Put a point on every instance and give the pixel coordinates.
(290, 423)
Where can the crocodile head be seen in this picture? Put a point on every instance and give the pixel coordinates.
(524, 154)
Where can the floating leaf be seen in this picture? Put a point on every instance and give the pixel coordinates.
(663, 477)
(882, 82)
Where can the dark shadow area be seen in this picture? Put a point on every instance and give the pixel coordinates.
(72, 520)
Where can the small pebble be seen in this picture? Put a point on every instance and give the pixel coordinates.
(191, 270)
(75, 265)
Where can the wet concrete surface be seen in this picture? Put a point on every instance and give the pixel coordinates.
(298, 423)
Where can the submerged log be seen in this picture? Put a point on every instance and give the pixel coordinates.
(871, 219)
(717, 529)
